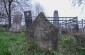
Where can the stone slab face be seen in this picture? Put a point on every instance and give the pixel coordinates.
(75, 25)
(16, 25)
(28, 18)
(56, 22)
(43, 33)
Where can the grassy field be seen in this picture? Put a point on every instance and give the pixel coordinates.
(12, 44)
(16, 44)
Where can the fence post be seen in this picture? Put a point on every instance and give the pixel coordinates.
(66, 26)
(82, 25)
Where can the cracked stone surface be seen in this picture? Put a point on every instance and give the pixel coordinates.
(44, 34)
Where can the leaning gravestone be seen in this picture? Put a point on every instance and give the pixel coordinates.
(43, 33)
(16, 25)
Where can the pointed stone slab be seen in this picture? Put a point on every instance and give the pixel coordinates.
(44, 34)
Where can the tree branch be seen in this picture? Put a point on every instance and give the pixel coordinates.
(5, 7)
(11, 1)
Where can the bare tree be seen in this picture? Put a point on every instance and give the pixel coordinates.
(8, 6)
(78, 2)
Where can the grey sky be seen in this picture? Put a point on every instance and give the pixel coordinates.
(64, 7)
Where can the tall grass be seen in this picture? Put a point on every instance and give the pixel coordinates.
(12, 44)
(67, 45)
(16, 44)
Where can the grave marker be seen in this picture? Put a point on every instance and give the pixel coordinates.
(56, 19)
(28, 18)
(43, 33)
(16, 25)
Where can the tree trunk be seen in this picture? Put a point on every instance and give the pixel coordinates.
(8, 10)
(9, 16)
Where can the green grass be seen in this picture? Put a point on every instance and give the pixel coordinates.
(67, 45)
(12, 44)
(16, 44)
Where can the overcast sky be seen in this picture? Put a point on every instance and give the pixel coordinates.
(64, 8)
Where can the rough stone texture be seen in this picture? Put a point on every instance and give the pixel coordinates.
(43, 33)
(16, 25)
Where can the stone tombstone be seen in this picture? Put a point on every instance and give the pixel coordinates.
(56, 19)
(43, 33)
(28, 18)
(16, 25)
(75, 25)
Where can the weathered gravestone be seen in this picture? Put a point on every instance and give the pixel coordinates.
(75, 25)
(56, 19)
(16, 25)
(28, 18)
(43, 33)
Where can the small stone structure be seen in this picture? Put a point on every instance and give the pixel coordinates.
(16, 25)
(75, 25)
(43, 33)
(28, 18)
(56, 19)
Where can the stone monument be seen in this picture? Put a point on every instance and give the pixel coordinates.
(43, 33)
(16, 25)
(28, 18)
(56, 19)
